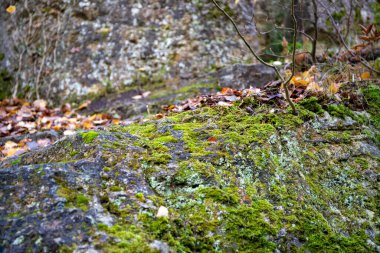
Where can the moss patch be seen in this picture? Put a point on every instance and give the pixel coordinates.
(89, 136)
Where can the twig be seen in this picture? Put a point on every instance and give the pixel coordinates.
(315, 39)
(258, 57)
(295, 27)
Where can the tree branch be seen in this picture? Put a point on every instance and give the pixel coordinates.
(259, 58)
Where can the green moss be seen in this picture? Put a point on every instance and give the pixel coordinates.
(258, 179)
(228, 195)
(337, 137)
(88, 137)
(362, 162)
(312, 105)
(67, 248)
(372, 96)
(16, 161)
(340, 111)
(81, 200)
(115, 188)
(140, 196)
(73, 198)
(74, 153)
(248, 229)
(130, 239)
(107, 169)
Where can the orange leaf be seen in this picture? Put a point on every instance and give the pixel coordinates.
(88, 124)
(212, 139)
(159, 116)
(227, 91)
(365, 75)
(299, 82)
(11, 9)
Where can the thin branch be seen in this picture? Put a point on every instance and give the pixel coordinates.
(258, 57)
(295, 27)
(315, 39)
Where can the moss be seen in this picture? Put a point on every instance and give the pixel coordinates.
(340, 111)
(89, 136)
(228, 195)
(337, 137)
(73, 198)
(67, 248)
(372, 96)
(362, 162)
(248, 229)
(115, 188)
(107, 169)
(260, 178)
(16, 161)
(74, 153)
(130, 239)
(140, 196)
(312, 105)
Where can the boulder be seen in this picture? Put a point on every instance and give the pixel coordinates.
(65, 50)
(266, 181)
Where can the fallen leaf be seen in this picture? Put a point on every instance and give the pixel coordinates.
(212, 139)
(365, 75)
(227, 91)
(159, 116)
(40, 104)
(11, 9)
(334, 88)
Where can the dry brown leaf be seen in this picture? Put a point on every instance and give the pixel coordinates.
(40, 104)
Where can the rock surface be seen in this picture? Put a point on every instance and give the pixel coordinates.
(268, 182)
(81, 47)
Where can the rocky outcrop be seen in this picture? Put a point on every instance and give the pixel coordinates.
(214, 179)
(62, 49)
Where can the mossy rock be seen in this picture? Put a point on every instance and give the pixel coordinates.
(230, 182)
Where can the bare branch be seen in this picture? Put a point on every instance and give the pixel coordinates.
(259, 58)
(315, 39)
(295, 27)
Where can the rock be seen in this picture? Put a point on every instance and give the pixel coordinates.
(240, 76)
(93, 46)
(162, 212)
(269, 183)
